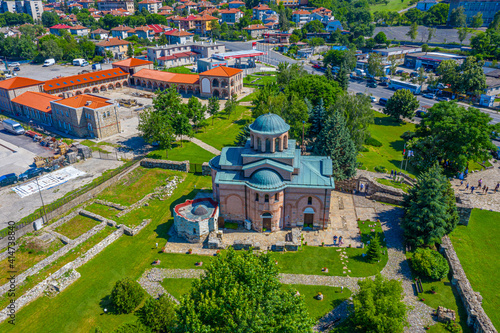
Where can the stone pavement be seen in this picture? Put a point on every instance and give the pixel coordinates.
(479, 199)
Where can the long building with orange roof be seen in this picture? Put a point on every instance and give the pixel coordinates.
(16, 86)
(35, 106)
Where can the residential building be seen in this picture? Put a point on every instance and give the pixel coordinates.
(99, 34)
(397, 52)
(274, 38)
(492, 82)
(425, 5)
(133, 65)
(292, 3)
(235, 4)
(144, 32)
(116, 45)
(301, 17)
(269, 183)
(34, 106)
(173, 55)
(34, 8)
(94, 82)
(334, 25)
(120, 31)
(87, 4)
(188, 6)
(231, 16)
(105, 5)
(472, 7)
(260, 11)
(86, 116)
(79, 30)
(56, 29)
(179, 36)
(16, 86)
(203, 24)
(151, 6)
(255, 30)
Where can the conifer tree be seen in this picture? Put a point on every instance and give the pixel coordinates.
(373, 251)
(342, 76)
(328, 74)
(430, 209)
(317, 119)
(242, 137)
(335, 141)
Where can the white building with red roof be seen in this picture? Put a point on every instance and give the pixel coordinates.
(151, 6)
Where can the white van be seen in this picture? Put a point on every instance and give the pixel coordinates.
(13, 127)
(78, 62)
(49, 62)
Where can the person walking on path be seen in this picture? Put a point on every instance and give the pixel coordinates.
(486, 192)
(496, 187)
(479, 182)
(472, 189)
(467, 186)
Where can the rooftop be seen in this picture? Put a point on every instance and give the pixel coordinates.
(167, 76)
(255, 27)
(74, 80)
(36, 100)
(61, 26)
(222, 71)
(88, 101)
(132, 62)
(18, 82)
(112, 42)
(197, 210)
(269, 123)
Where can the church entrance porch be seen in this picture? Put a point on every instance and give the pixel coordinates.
(266, 222)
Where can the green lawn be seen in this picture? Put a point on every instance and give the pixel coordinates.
(259, 79)
(77, 226)
(177, 287)
(80, 307)
(180, 70)
(388, 131)
(477, 247)
(393, 5)
(224, 131)
(189, 151)
(248, 98)
(332, 297)
(135, 186)
(102, 210)
(390, 182)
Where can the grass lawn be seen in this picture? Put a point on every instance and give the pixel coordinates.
(177, 287)
(261, 79)
(189, 151)
(248, 98)
(388, 131)
(390, 182)
(104, 211)
(393, 5)
(317, 309)
(179, 69)
(80, 307)
(135, 186)
(224, 131)
(77, 226)
(477, 246)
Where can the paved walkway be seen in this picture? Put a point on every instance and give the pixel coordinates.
(479, 199)
(202, 144)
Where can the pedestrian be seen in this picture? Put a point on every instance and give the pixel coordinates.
(484, 188)
(480, 181)
(487, 190)
(467, 186)
(497, 187)
(156, 245)
(472, 189)
(392, 173)
(461, 183)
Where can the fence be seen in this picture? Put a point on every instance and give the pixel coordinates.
(118, 156)
(44, 211)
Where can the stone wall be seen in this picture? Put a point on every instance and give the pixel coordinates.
(165, 164)
(205, 169)
(477, 319)
(464, 208)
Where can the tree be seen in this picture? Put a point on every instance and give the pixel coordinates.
(284, 24)
(241, 292)
(50, 49)
(431, 32)
(402, 104)
(495, 24)
(294, 39)
(358, 115)
(462, 34)
(437, 15)
(159, 314)
(109, 54)
(453, 135)
(213, 107)
(472, 79)
(342, 77)
(49, 19)
(317, 119)
(126, 295)
(373, 252)
(230, 105)
(430, 263)
(155, 128)
(379, 306)
(381, 38)
(335, 58)
(242, 137)
(413, 31)
(130, 50)
(458, 17)
(288, 73)
(314, 88)
(477, 20)
(181, 126)
(375, 66)
(136, 327)
(430, 209)
(329, 74)
(335, 141)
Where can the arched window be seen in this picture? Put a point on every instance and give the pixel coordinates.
(276, 144)
(256, 196)
(310, 201)
(266, 198)
(276, 197)
(258, 144)
(268, 145)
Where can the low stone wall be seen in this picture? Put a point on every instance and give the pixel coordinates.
(110, 204)
(477, 319)
(137, 229)
(205, 169)
(464, 209)
(165, 164)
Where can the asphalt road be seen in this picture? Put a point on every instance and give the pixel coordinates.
(274, 58)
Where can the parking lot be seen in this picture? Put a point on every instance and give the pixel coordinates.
(38, 72)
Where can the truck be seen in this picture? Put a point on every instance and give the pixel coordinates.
(13, 127)
(49, 62)
(78, 62)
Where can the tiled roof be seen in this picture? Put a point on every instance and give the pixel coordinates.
(222, 71)
(178, 55)
(262, 7)
(132, 62)
(237, 1)
(229, 11)
(78, 27)
(157, 28)
(121, 28)
(148, 1)
(89, 101)
(206, 17)
(18, 82)
(99, 31)
(36, 100)
(74, 80)
(178, 33)
(301, 12)
(255, 27)
(61, 26)
(167, 77)
(166, 8)
(113, 42)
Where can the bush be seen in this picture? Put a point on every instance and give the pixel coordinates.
(136, 327)
(98, 59)
(126, 295)
(159, 315)
(363, 149)
(381, 169)
(407, 135)
(373, 142)
(430, 263)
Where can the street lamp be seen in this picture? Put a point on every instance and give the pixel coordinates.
(41, 198)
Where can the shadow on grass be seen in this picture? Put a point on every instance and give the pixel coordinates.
(107, 303)
(387, 121)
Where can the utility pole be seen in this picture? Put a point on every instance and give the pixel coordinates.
(41, 198)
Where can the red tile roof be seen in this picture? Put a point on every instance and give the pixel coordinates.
(121, 28)
(178, 33)
(74, 80)
(237, 1)
(36, 100)
(261, 7)
(229, 11)
(61, 26)
(206, 17)
(167, 76)
(222, 71)
(178, 55)
(301, 12)
(99, 31)
(149, 1)
(157, 28)
(18, 82)
(132, 62)
(78, 27)
(112, 42)
(255, 27)
(84, 100)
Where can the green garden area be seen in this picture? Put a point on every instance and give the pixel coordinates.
(179, 70)
(256, 79)
(188, 151)
(77, 226)
(477, 248)
(393, 5)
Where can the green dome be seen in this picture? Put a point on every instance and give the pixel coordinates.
(269, 123)
(266, 179)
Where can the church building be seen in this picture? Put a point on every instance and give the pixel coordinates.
(269, 183)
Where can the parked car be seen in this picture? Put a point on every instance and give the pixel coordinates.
(85, 63)
(8, 179)
(17, 69)
(360, 94)
(13, 127)
(14, 64)
(442, 99)
(420, 113)
(49, 62)
(400, 72)
(383, 84)
(372, 85)
(431, 96)
(414, 74)
(373, 99)
(30, 173)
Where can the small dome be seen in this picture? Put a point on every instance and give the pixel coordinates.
(266, 178)
(269, 123)
(200, 210)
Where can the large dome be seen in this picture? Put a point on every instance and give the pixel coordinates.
(200, 210)
(269, 123)
(266, 179)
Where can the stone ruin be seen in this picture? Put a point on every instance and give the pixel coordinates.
(215, 240)
(445, 315)
(291, 243)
